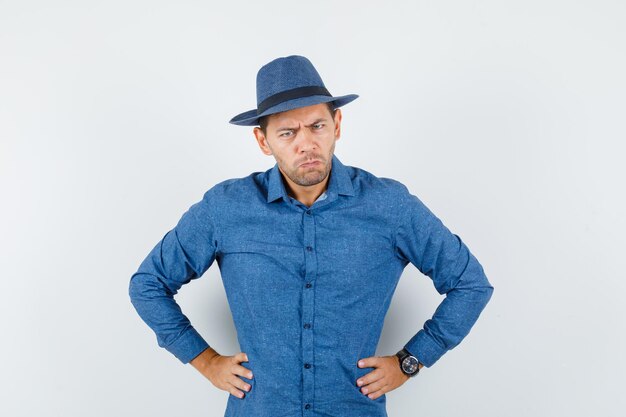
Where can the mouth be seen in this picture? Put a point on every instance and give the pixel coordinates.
(310, 164)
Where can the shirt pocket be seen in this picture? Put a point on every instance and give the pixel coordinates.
(261, 266)
(242, 246)
(265, 254)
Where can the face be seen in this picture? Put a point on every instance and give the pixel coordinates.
(296, 137)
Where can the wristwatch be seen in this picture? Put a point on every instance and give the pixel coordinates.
(408, 363)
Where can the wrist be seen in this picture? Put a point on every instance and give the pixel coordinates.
(408, 363)
(204, 359)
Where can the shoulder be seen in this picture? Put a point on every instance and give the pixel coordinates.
(389, 195)
(231, 190)
(367, 182)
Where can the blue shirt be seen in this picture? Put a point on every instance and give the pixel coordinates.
(309, 287)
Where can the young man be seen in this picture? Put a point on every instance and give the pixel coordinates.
(310, 253)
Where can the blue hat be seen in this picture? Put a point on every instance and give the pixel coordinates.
(287, 83)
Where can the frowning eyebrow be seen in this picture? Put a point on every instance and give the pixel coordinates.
(321, 119)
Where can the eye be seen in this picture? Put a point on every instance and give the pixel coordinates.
(285, 134)
(318, 126)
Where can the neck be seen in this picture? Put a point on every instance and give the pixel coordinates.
(306, 194)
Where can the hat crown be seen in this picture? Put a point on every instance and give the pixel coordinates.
(285, 73)
(287, 83)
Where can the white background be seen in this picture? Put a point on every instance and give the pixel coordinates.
(505, 117)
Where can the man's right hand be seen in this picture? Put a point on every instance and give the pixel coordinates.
(224, 371)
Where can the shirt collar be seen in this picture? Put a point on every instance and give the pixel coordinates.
(338, 183)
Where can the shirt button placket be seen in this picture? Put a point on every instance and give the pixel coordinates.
(308, 308)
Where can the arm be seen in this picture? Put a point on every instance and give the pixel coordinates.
(183, 254)
(203, 360)
(422, 239)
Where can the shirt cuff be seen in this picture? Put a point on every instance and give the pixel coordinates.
(189, 345)
(425, 348)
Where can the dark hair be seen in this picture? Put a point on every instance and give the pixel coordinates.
(264, 120)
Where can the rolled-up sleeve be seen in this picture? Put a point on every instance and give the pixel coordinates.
(423, 240)
(183, 254)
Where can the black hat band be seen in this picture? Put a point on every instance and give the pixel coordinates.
(290, 95)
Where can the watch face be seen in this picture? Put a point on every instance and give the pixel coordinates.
(409, 365)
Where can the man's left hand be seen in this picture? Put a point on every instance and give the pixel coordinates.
(386, 377)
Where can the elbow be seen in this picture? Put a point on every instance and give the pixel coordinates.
(143, 287)
(483, 289)
(481, 294)
(488, 293)
(134, 288)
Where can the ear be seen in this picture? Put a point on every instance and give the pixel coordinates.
(262, 141)
(337, 124)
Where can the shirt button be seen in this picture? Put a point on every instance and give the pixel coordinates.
(308, 285)
(307, 365)
(309, 248)
(307, 406)
(307, 326)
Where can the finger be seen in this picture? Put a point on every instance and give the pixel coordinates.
(375, 375)
(239, 383)
(241, 371)
(240, 357)
(371, 362)
(374, 386)
(234, 391)
(374, 395)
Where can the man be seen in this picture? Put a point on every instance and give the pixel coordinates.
(310, 253)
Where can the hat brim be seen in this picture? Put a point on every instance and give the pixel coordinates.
(251, 118)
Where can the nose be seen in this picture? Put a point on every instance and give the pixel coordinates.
(306, 140)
